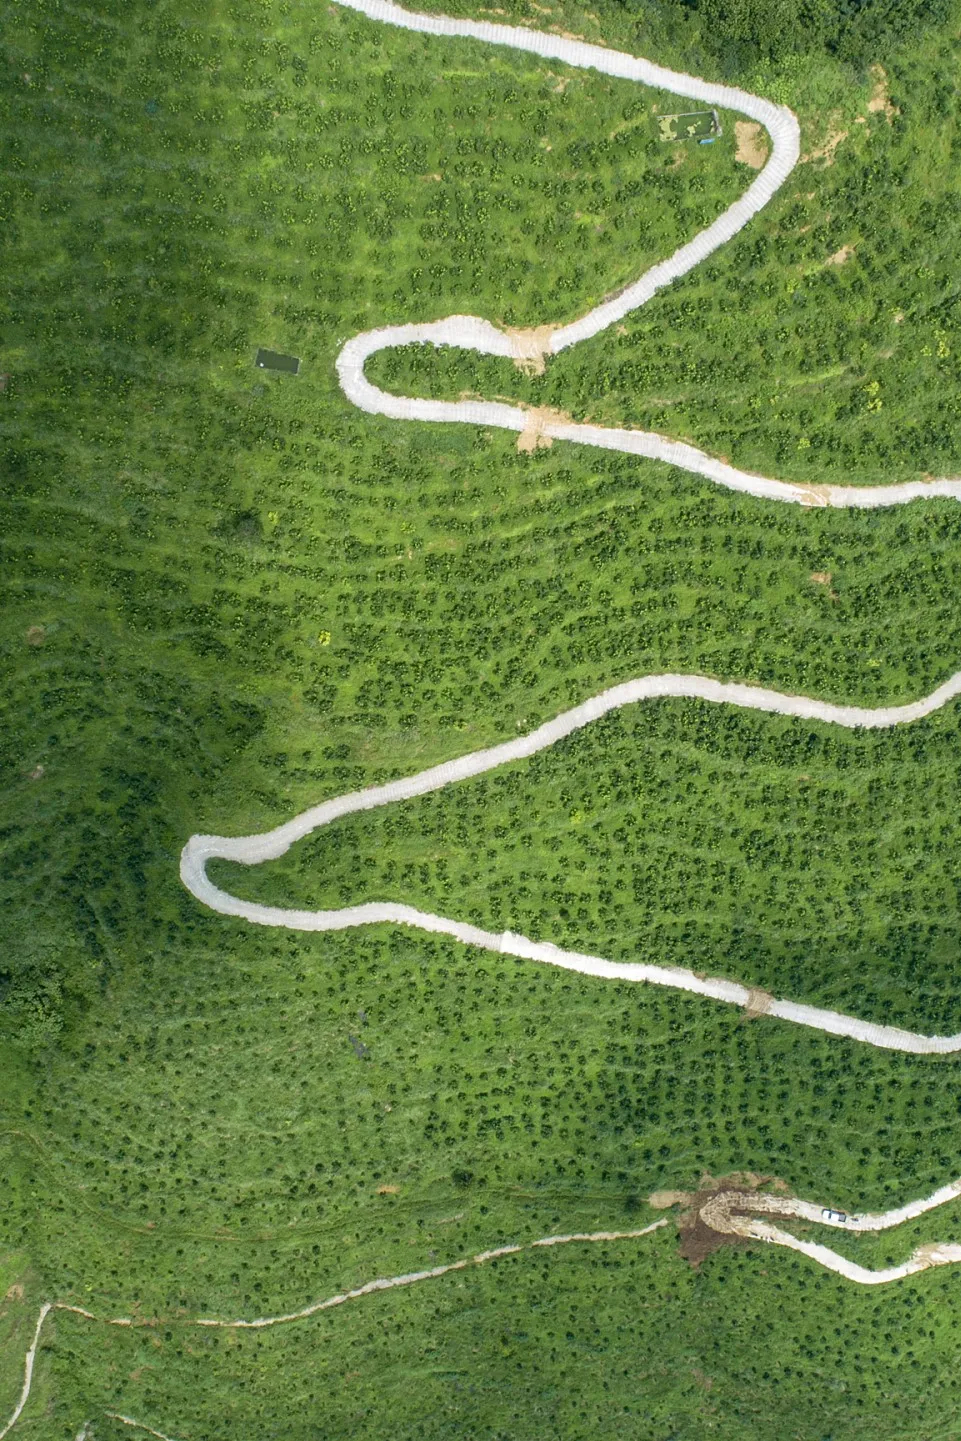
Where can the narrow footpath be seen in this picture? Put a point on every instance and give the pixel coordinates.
(727, 1212)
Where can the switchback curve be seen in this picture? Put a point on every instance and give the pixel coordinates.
(735, 1213)
(252, 850)
(471, 333)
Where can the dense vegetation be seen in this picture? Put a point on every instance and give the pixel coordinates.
(230, 595)
(739, 32)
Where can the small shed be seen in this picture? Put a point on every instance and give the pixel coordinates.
(270, 360)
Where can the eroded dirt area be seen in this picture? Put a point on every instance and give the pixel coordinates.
(704, 1223)
(532, 437)
(751, 143)
(835, 135)
(880, 104)
(531, 347)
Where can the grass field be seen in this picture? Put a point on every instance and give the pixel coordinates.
(230, 595)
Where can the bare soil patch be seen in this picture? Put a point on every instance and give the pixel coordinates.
(758, 1003)
(824, 577)
(880, 104)
(814, 495)
(36, 635)
(751, 143)
(660, 1200)
(698, 1240)
(698, 1237)
(532, 437)
(840, 256)
(531, 347)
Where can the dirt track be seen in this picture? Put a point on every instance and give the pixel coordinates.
(385, 1283)
(721, 1212)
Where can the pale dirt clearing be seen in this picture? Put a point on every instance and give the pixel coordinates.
(825, 151)
(536, 433)
(752, 147)
(530, 348)
(879, 102)
(824, 577)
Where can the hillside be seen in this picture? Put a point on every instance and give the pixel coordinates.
(231, 595)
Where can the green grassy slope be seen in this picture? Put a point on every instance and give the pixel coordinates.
(814, 864)
(230, 595)
(824, 344)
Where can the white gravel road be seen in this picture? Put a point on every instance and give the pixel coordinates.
(470, 333)
(252, 850)
(480, 335)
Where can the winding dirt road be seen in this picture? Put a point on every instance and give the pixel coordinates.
(253, 850)
(480, 335)
(727, 1212)
(470, 333)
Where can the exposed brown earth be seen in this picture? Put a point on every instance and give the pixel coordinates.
(532, 437)
(879, 104)
(825, 151)
(713, 1207)
(751, 145)
(824, 577)
(758, 1003)
(533, 346)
